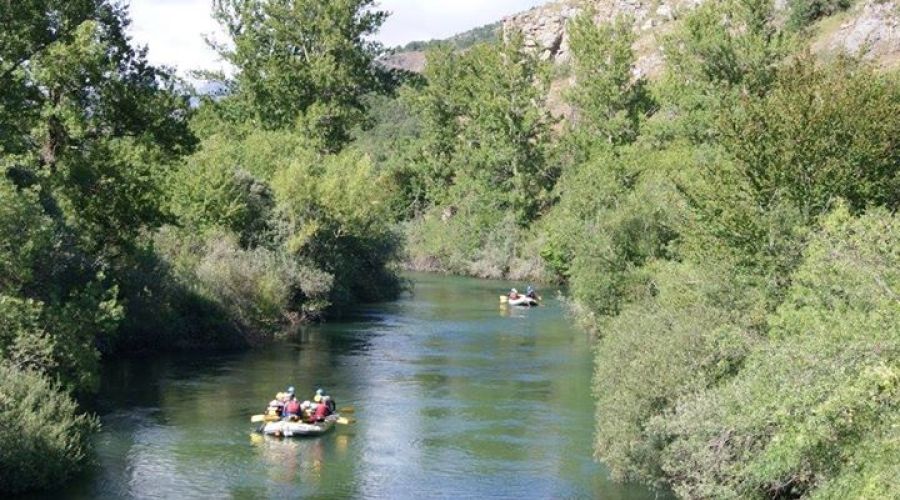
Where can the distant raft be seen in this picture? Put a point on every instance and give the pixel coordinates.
(523, 301)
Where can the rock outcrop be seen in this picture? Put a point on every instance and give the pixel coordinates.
(544, 27)
(870, 27)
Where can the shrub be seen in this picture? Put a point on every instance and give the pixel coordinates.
(687, 334)
(805, 12)
(815, 409)
(43, 439)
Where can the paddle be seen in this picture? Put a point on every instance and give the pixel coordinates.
(347, 409)
(264, 418)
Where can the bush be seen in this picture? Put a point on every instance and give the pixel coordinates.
(43, 439)
(687, 334)
(805, 12)
(815, 409)
(261, 288)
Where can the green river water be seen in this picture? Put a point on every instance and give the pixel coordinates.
(455, 397)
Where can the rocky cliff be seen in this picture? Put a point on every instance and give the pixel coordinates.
(869, 27)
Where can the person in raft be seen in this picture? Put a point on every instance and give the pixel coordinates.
(292, 409)
(321, 412)
(531, 293)
(513, 294)
(322, 397)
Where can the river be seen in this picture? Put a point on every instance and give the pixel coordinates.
(454, 396)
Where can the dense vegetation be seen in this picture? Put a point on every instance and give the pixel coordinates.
(132, 221)
(728, 231)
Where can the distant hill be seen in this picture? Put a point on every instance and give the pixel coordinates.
(411, 57)
(487, 33)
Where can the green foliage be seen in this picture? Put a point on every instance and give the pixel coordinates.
(616, 212)
(489, 33)
(303, 63)
(609, 101)
(45, 440)
(721, 51)
(487, 127)
(336, 211)
(805, 12)
(822, 131)
(685, 335)
(820, 394)
(789, 154)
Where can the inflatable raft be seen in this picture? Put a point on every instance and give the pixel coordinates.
(285, 428)
(523, 301)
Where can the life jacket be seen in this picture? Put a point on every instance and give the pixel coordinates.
(292, 407)
(321, 412)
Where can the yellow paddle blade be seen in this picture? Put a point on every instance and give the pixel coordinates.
(344, 421)
(264, 418)
(504, 298)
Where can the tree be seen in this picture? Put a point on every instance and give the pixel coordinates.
(609, 99)
(488, 128)
(720, 51)
(91, 125)
(304, 63)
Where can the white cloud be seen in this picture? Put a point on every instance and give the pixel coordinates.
(174, 29)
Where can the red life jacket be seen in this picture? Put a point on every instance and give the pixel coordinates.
(293, 407)
(321, 412)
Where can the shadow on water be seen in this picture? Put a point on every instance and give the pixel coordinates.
(453, 396)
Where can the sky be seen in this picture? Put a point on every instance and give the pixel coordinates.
(174, 29)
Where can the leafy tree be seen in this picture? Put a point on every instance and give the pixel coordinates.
(90, 127)
(720, 51)
(609, 99)
(486, 124)
(336, 212)
(788, 156)
(304, 63)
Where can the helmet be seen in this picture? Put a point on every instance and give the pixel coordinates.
(515, 291)
(317, 398)
(291, 390)
(320, 391)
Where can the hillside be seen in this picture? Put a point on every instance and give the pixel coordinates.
(411, 57)
(868, 26)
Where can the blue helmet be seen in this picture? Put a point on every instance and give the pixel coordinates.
(291, 390)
